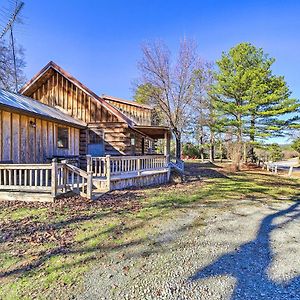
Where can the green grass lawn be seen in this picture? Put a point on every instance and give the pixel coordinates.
(46, 248)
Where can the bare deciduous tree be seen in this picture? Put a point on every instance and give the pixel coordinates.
(173, 82)
(203, 104)
(7, 73)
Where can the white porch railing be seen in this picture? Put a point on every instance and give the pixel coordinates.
(25, 177)
(54, 178)
(116, 165)
(71, 178)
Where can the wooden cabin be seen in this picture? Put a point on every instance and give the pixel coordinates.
(113, 126)
(32, 132)
(56, 116)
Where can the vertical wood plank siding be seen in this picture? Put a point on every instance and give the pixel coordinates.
(23, 143)
(58, 91)
(141, 115)
(55, 89)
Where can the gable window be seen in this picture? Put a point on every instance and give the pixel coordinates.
(63, 137)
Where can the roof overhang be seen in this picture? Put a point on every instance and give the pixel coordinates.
(154, 132)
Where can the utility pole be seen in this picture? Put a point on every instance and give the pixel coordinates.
(9, 27)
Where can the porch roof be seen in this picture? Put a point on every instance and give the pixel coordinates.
(154, 132)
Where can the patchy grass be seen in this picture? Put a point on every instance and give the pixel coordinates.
(46, 248)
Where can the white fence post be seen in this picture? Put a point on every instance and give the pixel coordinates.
(54, 178)
(290, 171)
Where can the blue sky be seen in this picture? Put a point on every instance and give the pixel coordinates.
(99, 41)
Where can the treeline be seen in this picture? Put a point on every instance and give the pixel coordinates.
(233, 105)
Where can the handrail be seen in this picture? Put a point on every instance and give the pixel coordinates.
(72, 178)
(101, 166)
(26, 177)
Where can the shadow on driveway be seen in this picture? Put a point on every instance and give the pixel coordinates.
(249, 264)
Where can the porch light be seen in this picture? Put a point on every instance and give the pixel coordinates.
(32, 124)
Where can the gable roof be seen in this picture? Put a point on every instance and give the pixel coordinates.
(128, 102)
(43, 75)
(29, 106)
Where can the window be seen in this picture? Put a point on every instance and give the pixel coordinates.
(62, 137)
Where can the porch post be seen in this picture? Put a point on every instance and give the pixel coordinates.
(89, 163)
(167, 146)
(108, 173)
(89, 189)
(54, 178)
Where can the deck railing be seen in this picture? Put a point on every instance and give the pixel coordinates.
(25, 177)
(54, 178)
(116, 165)
(71, 178)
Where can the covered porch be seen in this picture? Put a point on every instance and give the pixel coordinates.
(157, 133)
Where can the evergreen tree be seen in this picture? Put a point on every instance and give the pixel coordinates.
(250, 97)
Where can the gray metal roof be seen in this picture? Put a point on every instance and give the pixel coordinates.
(34, 107)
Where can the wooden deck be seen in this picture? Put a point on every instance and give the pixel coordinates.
(132, 179)
(44, 182)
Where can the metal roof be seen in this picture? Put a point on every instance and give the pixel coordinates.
(33, 107)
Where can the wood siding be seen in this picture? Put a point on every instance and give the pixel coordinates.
(140, 115)
(56, 90)
(35, 142)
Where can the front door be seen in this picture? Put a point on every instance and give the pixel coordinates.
(95, 143)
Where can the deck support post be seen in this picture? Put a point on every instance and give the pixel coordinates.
(89, 188)
(89, 163)
(167, 144)
(139, 166)
(108, 173)
(64, 174)
(54, 178)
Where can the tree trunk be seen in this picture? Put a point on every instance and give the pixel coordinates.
(201, 145)
(245, 153)
(221, 151)
(212, 147)
(238, 147)
(178, 144)
(252, 138)
(201, 149)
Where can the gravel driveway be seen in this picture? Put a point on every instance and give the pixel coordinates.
(248, 250)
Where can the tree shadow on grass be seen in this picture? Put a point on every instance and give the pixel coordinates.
(203, 170)
(249, 264)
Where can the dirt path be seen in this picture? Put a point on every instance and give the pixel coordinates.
(250, 251)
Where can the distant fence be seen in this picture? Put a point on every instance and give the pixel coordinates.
(274, 168)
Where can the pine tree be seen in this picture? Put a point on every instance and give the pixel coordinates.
(249, 97)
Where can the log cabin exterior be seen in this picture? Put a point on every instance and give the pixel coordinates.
(32, 132)
(56, 116)
(114, 126)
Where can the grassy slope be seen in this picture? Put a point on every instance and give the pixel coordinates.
(45, 248)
